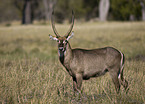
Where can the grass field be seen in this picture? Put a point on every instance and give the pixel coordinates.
(31, 73)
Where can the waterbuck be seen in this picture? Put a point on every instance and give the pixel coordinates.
(83, 64)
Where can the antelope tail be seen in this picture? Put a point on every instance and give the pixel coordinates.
(120, 74)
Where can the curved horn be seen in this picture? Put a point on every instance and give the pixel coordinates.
(72, 24)
(53, 26)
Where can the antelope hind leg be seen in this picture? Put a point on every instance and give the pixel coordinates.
(114, 76)
(124, 82)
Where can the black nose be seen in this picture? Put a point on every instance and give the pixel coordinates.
(61, 48)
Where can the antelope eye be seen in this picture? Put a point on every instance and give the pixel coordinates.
(57, 40)
(65, 40)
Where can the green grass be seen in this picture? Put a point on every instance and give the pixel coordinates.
(31, 73)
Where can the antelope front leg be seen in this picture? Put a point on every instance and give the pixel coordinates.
(77, 83)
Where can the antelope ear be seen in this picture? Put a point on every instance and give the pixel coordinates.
(70, 36)
(52, 37)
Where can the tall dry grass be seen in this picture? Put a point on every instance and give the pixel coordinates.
(31, 73)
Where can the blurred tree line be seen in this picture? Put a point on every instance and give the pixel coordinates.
(29, 10)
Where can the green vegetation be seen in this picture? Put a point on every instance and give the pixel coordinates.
(121, 10)
(31, 73)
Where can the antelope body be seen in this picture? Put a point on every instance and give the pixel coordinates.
(84, 64)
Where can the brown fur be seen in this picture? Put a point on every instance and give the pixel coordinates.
(84, 64)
